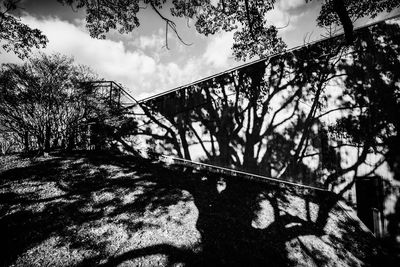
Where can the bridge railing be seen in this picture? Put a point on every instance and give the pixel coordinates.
(112, 93)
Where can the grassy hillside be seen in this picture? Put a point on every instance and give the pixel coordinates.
(116, 210)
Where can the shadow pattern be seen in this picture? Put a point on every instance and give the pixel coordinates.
(106, 209)
(315, 115)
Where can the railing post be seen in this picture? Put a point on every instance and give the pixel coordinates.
(376, 215)
(111, 87)
(119, 96)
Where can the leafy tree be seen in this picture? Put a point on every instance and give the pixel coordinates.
(345, 12)
(16, 36)
(45, 104)
(254, 35)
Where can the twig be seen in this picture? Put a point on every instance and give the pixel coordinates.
(282, 27)
(168, 24)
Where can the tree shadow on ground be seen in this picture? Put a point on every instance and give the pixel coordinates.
(90, 189)
(50, 197)
(226, 222)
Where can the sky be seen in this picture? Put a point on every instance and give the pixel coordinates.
(139, 61)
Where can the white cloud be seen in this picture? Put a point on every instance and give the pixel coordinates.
(281, 19)
(218, 50)
(394, 21)
(142, 74)
(286, 5)
(8, 57)
(155, 41)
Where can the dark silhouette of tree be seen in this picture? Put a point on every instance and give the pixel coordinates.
(45, 104)
(16, 36)
(373, 82)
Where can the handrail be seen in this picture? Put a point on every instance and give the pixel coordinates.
(111, 84)
(232, 172)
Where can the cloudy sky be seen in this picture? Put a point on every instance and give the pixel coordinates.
(139, 60)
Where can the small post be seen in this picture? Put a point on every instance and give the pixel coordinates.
(111, 87)
(376, 214)
(119, 96)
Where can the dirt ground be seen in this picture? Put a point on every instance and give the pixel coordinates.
(101, 209)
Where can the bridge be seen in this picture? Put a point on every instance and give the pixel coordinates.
(111, 92)
(270, 118)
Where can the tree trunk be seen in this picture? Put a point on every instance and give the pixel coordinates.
(40, 141)
(224, 155)
(248, 158)
(71, 140)
(26, 141)
(185, 145)
(340, 9)
(252, 138)
(47, 138)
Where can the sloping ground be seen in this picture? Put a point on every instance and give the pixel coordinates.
(115, 210)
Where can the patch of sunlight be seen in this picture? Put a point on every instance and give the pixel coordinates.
(122, 174)
(148, 260)
(38, 190)
(27, 187)
(293, 224)
(110, 168)
(52, 252)
(130, 197)
(298, 207)
(105, 236)
(102, 197)
(65, 164)
(297, 255)
(264, 215)
(86, 166)
(88, 208)
(332, 225)
(327, 253)
(93, 171)
(79, 161)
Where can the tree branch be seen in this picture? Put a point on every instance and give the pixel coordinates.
(249, 19)
(340, 9)
(168, 24)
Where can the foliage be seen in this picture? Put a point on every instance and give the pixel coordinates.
(345, 12)
(16, 36)
(45, 104)
(254, 35)
(356, 10)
